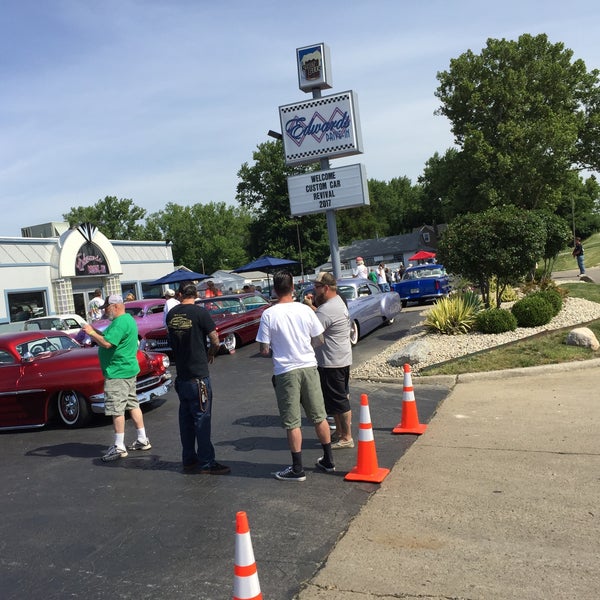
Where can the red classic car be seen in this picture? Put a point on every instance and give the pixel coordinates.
(47, 374)
(237, 317)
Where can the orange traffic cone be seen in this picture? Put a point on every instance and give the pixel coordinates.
(245, 585)
(410, 418)
(367, 468)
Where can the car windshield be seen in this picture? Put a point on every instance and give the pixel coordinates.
(228, 306)
(51, 343)
(347, 291)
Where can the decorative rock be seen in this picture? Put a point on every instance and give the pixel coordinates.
(415, 352)
(584, 337)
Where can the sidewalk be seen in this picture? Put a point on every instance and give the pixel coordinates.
(498, 499)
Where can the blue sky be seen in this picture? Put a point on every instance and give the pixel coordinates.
(163, 100)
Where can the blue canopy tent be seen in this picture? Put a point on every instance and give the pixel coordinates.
(180, 275)
(266, 264)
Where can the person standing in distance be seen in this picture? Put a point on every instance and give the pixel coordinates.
(578, 254)
(334, 356)
(94, 310)
(288, 330)
(189, 325)
(117, 351)
(171, 301)
(361, 269)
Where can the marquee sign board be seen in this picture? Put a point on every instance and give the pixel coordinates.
(326, 127)
(329, 189)
(314, 67)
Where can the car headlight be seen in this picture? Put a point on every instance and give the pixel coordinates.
(166, 361)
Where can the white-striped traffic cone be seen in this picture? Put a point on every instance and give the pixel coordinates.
(410, 418)
(367, 468)
(245, 584)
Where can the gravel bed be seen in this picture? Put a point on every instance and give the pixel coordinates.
(431, 348)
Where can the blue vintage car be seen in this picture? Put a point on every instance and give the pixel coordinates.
(368, 306)
(423, 283)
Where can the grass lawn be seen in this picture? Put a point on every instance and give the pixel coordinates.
(591, 250)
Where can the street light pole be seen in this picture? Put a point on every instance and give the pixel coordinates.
(300, 251)
(202, 263)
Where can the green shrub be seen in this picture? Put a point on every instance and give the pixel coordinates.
(453, 315)
(553, 297)
(532, 311)
(495, 320)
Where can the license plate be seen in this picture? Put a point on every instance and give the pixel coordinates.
(414, 291)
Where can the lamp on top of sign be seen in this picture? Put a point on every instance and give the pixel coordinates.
(314, 67)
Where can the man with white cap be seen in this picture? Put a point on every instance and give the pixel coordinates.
(361, 270)
(117, 351)
(171, 301)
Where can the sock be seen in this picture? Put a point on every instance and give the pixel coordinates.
(141, 433)
(120, 440)
(327, 455)
(297, 462)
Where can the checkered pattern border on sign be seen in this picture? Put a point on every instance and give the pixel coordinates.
(316, 102)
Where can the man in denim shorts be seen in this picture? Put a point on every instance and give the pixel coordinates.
(288, 330)
(117, 351)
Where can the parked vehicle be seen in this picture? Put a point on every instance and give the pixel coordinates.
(68, 323)
(46, 375)
(148, 315)
(423, 283)
(369, 307)
(236, 316)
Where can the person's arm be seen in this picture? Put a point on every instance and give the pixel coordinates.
(96, 336)
(213, 349)
(265, 349)
(317, 341)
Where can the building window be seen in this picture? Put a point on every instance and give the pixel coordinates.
(426, 237)
(25, 305)
(153, 291)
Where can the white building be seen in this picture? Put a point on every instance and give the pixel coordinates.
(56, 269)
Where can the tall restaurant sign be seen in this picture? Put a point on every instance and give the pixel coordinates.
(326, 127)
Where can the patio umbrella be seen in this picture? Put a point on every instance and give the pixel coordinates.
(266, 264)
(179, 275)
(422, 255)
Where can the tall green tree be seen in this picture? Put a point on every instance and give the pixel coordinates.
(118, 219)
(262, 190)
(205, 237)
(524, 114)
(504, 243)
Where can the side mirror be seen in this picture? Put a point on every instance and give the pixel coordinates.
(27, 357)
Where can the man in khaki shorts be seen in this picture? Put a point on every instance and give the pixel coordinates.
(117, 351)
(288, 330)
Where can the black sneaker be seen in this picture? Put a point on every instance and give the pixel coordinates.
(215, 469)
(288, 474)
(321, 466)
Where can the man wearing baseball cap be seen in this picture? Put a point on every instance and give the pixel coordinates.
(361, 270)
(117, 351)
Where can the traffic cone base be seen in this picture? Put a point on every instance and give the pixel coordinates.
(367, 468)
(410, 418)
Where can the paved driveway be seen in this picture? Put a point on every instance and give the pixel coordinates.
(74, 527)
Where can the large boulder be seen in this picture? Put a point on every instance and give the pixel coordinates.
(584, 337)
(412, 353)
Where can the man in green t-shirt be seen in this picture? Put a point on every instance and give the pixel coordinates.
(117, 351)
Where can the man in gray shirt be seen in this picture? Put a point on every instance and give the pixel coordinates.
(334, 356)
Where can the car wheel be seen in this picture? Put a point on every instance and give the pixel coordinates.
(354, 333)
(72, 408)
(404, 303)
(230, 343)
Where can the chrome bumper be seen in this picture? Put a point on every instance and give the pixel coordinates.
(97, 402)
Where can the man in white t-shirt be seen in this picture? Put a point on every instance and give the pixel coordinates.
(361, 269)
(171, 301)
(288, 330)
(94, 309)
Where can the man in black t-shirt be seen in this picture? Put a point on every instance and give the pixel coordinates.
(189, 325)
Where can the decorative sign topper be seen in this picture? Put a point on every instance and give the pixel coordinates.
(321, 127)
(314, 67)
(330, 189)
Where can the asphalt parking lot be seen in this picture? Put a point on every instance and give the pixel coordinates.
(74, 527)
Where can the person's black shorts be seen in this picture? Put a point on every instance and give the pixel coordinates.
(336, 391)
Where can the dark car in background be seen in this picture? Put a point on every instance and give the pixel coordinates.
(46, 375)
(236, 316)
